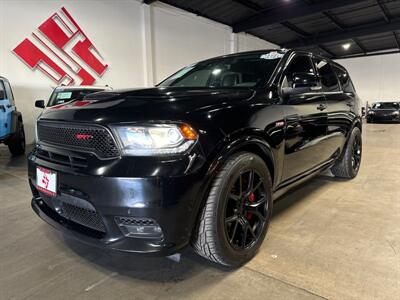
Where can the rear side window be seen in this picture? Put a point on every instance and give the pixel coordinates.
(2, 91)
(344, 79)
(9, 93)
(328, 77)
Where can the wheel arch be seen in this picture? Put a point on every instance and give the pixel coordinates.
(16, 117)
(357, 123)
(251, 144)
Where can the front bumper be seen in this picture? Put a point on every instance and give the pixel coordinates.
(172, 202)
(383, 118)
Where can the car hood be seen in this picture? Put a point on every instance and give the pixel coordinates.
(144, 104)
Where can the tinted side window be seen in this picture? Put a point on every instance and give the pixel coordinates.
(329, 80)
(2, 91)
(344, 79)
(9, 93)
(299, 64)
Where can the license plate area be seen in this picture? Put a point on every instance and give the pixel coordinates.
(46, 181)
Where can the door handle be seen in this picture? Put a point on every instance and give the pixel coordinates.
(349, 104)
(321, 107)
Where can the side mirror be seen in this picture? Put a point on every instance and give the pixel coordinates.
(302, 83)
(39, 104)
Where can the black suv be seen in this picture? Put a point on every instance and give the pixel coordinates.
(198, 159)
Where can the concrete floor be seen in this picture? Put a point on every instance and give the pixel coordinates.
(331, 239)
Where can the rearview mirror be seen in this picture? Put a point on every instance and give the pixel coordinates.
(302, 83)
(39, 104)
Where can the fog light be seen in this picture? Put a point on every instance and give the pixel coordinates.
(139, 227)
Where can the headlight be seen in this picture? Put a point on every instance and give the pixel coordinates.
(396, 113)
(371, 112)
(159, 139)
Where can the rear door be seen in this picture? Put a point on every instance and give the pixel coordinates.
(340, 99)
(306, 123)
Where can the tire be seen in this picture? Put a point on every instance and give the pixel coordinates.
(219, 237)
(349, 162)
(16, 145)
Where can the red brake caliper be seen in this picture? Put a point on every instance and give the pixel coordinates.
(251, 198)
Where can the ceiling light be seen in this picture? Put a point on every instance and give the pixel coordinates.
(346, 46)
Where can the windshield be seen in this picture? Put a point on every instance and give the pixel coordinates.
(247, 70)
(65, 95)
(386, 105)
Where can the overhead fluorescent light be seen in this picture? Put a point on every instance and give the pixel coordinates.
(346, 46)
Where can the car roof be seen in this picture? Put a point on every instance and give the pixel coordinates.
(244, 53)
(281, 50)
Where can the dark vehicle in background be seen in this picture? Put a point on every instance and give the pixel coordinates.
(384, 112)
(11, 125)
(63, 94)
(198, 159)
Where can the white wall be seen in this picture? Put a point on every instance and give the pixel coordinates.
(180, 38)
(142, 44)
(376, 78)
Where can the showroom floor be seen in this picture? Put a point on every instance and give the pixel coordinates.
(331, 239)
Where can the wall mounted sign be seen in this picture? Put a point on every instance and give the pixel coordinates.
(62, 51)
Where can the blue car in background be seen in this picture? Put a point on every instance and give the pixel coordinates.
(11, 126)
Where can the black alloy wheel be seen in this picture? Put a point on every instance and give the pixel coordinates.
(357, 151)
(246, 210)
(237, 212)
(349, 162)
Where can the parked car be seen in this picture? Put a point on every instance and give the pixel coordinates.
(384, 111)
(11, 125)
(63, 94)
(198, 159)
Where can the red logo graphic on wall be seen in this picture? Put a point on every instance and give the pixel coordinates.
(62, 51)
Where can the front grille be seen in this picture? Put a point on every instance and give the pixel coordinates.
(87, 138)
(83, 216)
(71, 161)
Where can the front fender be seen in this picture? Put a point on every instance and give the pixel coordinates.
(15, 117)
(249, 140)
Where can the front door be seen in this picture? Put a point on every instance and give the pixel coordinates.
(306, 123)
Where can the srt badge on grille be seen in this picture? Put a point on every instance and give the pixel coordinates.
(84, 137)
